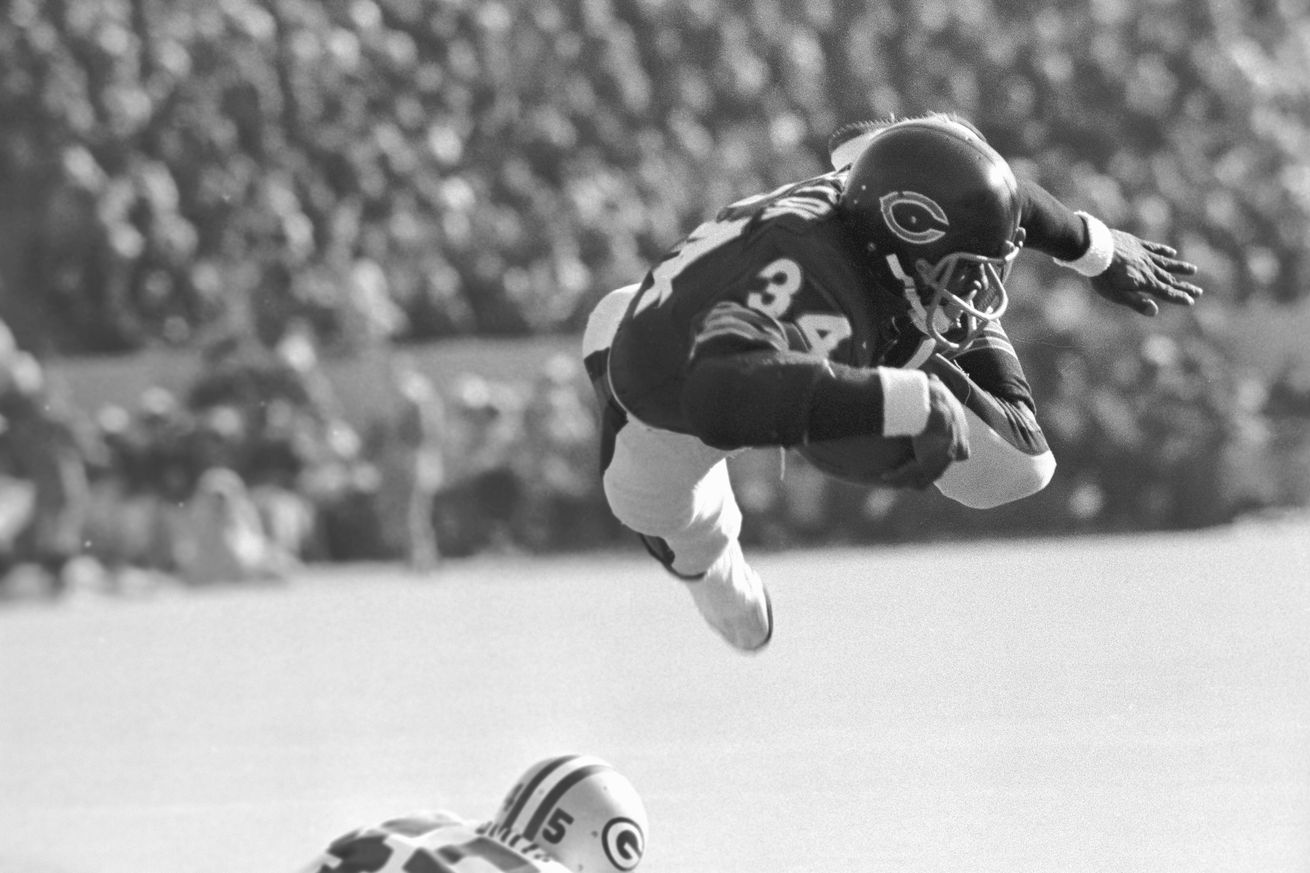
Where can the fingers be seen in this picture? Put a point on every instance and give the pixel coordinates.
(1174, 266)
(1159, 249)
(1183, 295)
(1141, 302)
(1147, 276)
(1188, 288)
(1166, 257)
(1166, 272)
(1170, 288)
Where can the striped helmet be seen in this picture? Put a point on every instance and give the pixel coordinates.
(580, 811)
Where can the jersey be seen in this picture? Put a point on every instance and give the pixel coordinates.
(777, 271)
(781, 273)
(431, 842)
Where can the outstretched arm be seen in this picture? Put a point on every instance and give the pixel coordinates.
(1121, 267)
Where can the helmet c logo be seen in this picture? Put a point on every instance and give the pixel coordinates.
(913, 217)
(624, 842)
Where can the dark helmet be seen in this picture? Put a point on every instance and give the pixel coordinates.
(939, 208)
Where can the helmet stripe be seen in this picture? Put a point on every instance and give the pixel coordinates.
(530, 788)
(557, 793)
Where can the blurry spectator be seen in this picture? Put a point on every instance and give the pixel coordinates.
(557, 461)
(220, 437)
(1289, 390)
(161, 475)
(106, 528)
(225, 540)
(273, 416)
(478, 507)
(1287, 406)
(411, 471)
(41, 444)
(308, 159)
(282, 447)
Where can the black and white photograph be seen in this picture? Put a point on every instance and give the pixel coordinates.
(675, 436)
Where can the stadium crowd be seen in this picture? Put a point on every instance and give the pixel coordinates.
(255, 469)
(319, 177)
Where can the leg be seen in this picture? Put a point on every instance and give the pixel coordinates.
(675, 488)
(674, 491)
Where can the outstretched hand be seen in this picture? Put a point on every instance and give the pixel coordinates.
(1142, 273)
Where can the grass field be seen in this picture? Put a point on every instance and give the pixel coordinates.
(1118, 704)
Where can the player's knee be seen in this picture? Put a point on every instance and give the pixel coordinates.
(986, 487)
(637, 514)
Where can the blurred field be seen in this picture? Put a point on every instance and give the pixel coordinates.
(1122, 704)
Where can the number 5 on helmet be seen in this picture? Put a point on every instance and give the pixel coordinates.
(580, 811)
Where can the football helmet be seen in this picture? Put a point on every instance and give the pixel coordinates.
(580, 811)
(939, 209)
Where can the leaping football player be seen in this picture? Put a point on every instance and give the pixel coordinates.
(863, 303)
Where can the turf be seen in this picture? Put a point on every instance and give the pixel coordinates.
(1111, 704)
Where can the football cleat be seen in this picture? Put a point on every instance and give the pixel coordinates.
(733, 600)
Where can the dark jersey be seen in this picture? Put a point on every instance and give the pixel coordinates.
(780, 273)
(772, 272)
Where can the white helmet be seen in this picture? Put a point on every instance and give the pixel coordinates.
(580, 811)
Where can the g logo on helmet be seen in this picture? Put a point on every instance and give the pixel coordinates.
(624, 842)
(913, 217)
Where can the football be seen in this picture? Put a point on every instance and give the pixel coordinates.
(861, 460)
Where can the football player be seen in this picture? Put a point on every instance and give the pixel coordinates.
(863, 302)
(567, 814)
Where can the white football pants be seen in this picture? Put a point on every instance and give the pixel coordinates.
(665, 484)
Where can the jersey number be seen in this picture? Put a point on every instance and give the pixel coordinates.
(554, 830)
(824, 332)
(782, 280)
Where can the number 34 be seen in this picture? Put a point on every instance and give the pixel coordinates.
(782, 280)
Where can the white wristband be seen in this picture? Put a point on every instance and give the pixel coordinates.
(1100, 251)
(904, 401)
